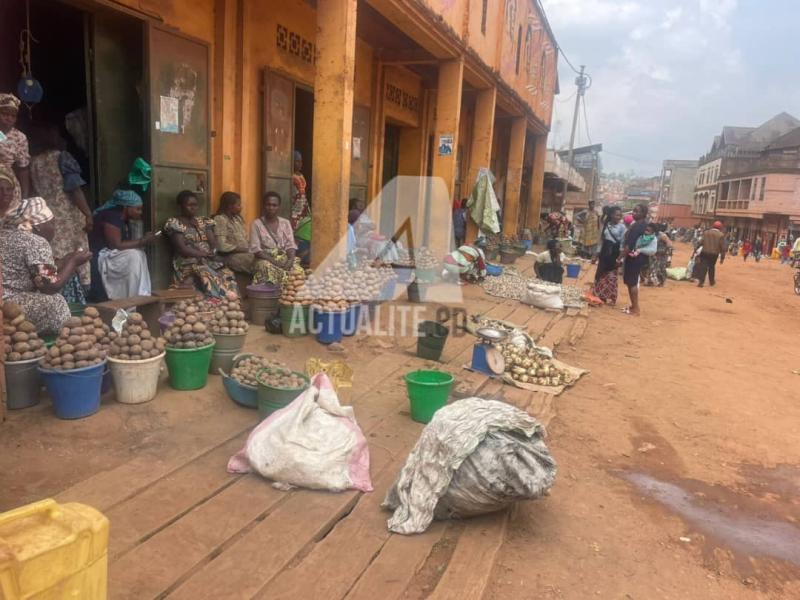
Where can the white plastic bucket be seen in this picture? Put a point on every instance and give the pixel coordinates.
(136, 381)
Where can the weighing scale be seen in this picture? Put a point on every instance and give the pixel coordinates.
(485, 359)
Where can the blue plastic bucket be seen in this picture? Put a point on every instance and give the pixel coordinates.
(403, 273)
(328, 325)
(387, 291)
(573, 270)
(352, 317)
(494, 270)
(76, 393)
(528, 244)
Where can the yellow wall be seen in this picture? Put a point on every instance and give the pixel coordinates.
(484, 43)
(453, 13)
(192, 17)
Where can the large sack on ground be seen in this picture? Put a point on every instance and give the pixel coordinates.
(476, 456)
(544, 295)
(314, 442)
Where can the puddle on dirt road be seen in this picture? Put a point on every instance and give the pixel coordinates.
(742, 533)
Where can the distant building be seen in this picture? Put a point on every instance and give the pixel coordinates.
(676, 192)
(587, 162)
(750, 179)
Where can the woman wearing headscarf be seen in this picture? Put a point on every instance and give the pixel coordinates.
(299, 199)
(14, 152)
(119, 264)
(272, 242)
(468, 262)
(31, 276)
(232, 243)
(195, 261)
(57, 178)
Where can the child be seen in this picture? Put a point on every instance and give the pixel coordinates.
(645, 241)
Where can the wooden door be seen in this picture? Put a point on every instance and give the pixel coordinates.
(278, 110)
(178, 126)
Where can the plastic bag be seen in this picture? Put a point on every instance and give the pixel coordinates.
(544, 295)
(314, 442)
(475, 456)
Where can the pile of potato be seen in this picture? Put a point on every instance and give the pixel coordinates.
(339, 287)
(280, 377)
(295, 291)
(228, 318)
(189, 329)
(526, 365)
(80, 343)
(135, 342)
(423, 259)
(246, 371)
(21, 340)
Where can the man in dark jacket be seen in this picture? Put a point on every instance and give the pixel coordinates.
(713, 247)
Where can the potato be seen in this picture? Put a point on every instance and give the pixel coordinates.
(134, 329)
(81, 355)
(22, 347)
(125, 356)
(147, 345)
(191, 345)
(20, 336)
(113, 351)
(11, 310)
(54, 351)
(145, 334)
(14, 357)
(81, 364)
(78, 330)
(199, 328)
(18, 320)
(28, 355)
(27, 327)
(67, 365)
(98, 333)
(82, 346)
(55, 361)
(191, 319)
(91, 311)
(86, 320)
(134, 339)
(67, 349)
(135, 317)
(187, 328)
(136, 349)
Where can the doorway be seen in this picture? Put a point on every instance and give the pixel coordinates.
(90, 66)
(391, 164)
(304, 133)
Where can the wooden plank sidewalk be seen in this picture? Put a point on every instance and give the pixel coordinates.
(182, 527)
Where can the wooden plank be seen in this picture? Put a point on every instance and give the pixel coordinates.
(388, 576)
(539, 323)
(578, 330)
(171, 497)
(470, 567)
(153, 567)
(556, 332)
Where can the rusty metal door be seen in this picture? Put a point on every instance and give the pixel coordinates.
(359, 165)
(278, 110)
(179, 131)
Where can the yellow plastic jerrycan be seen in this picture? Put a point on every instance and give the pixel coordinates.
(51, 551)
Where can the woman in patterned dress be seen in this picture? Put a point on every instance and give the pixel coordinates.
(194, 244)
(31, 277)
(57, 178)
(299, 199)
(606, 279)
(272, 242)
(14, 152)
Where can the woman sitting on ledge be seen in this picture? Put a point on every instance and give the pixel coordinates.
(272, 243)
(195, 262)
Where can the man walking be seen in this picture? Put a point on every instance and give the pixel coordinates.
(713, 247)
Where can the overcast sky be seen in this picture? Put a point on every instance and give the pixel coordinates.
(668, 74)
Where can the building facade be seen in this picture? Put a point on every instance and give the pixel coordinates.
(218, 94)
(738, 151)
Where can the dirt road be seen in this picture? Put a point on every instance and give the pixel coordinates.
(679, 460)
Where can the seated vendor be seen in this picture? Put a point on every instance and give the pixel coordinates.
(119, 265)
(549, 264)
(272, 243)
(195, 261)
(31, 277)
(232, 245)
(468, 262)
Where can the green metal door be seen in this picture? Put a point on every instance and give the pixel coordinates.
(178, 129)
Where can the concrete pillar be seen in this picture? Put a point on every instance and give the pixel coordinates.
(333, 125)
(516, 156)
(536, 186)
(481, 152)
(448, 114)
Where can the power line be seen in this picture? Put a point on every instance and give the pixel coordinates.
(567, 99)
(571, 66)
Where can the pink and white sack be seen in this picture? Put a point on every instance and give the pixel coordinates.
(314, 442)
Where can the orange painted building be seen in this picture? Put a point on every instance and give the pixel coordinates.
(217, 94)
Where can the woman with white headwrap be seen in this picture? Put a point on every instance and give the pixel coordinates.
(14, 151)
(31, 277)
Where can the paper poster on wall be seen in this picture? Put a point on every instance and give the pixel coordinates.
(446, 145)
(357, 148)
(169, 114)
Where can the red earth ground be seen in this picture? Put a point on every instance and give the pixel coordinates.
(679, 460)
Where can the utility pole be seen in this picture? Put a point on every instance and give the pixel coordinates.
(581, 81)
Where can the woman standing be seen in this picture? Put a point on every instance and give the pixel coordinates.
(56, 177)
(195, 246)
(119, 264)
(657, 267)
(232, 244)
(608, 259)
(272, 243)
(31, 277)
(299, 200)
(636, 257)
(747, 248)
(14, 152)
